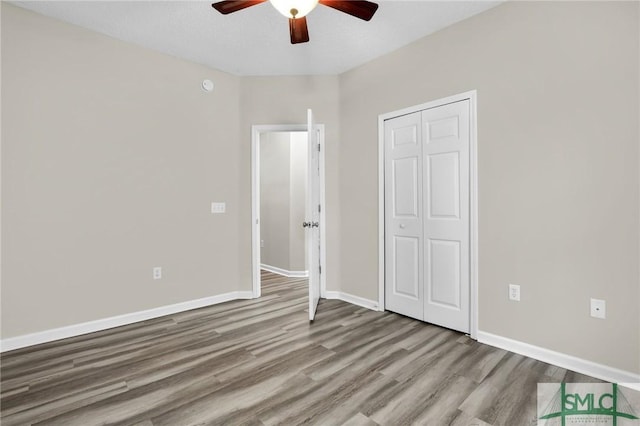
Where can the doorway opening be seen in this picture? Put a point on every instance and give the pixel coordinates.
(281, 190)
(283, 187)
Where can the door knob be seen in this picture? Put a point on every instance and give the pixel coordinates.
(306, 224)
(314, 224)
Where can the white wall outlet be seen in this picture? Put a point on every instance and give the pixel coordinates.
(261, 243)
(598, 308)
(514, 292)
(157, 273)
(218, 207)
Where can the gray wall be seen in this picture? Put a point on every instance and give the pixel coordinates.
(275, 199)
(283, 170)
(558, 90)
(119, 172)
(111, 156)
(297, 207)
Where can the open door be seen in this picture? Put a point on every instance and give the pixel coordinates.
(313, 215)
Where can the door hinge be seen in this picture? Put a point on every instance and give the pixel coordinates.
(319, 269)
(319, 208)
(318, 147)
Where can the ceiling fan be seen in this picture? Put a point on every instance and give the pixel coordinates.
(296, 10)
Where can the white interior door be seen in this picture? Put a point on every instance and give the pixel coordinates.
(427, 215)
(446, 138)
(404, 291)
(313, 216)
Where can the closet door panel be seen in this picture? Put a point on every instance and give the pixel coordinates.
(404, 247)
(446, 138)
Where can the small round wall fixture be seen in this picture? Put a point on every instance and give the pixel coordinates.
(207, 85)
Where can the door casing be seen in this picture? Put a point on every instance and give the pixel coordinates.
(256, 131)
(473, 199)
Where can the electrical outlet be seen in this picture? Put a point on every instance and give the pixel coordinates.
(261, 243)
(514, 292)
(598, 308)
(157, 273)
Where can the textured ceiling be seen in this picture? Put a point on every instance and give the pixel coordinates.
(255, 41)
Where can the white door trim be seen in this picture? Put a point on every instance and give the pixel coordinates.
(473, 195)
(256, 130)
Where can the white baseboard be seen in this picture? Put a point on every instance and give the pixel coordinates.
(600, 371)
(354, 300)
(117, 321)
(280, 271)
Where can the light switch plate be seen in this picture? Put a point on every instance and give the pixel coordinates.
(514, 292)
(218, 207)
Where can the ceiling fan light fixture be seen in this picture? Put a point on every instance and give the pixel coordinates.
(294, 8)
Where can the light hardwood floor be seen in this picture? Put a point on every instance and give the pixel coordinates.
(260, 362)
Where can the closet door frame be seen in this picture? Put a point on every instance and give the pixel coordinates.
(473, 199)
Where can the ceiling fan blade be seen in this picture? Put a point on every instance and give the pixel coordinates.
(229, 6)
(358, 8)
(298, 30)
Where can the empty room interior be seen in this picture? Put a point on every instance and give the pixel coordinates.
(390, 213)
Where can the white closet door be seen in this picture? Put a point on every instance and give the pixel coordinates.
(446, 138)
(403, 216)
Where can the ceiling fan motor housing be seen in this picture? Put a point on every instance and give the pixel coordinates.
(294, 8)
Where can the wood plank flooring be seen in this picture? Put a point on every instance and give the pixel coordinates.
(260, 362)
